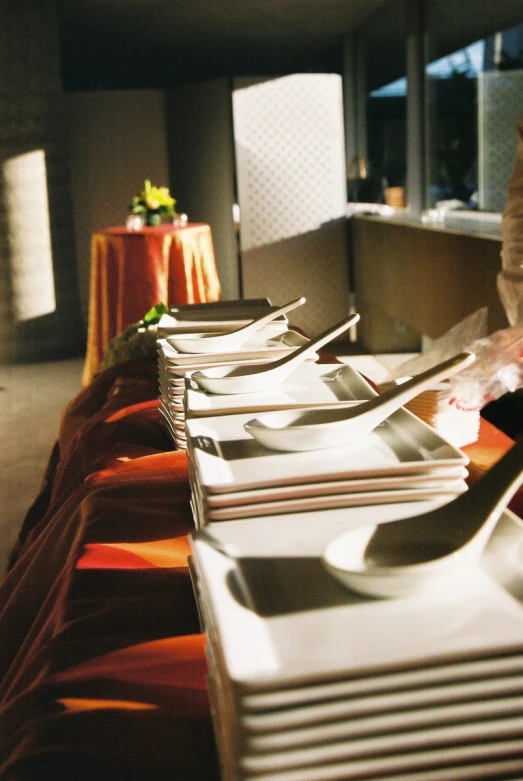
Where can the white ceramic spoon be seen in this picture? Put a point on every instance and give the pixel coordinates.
(215, 343)
(429, 551)
(296, 430)
(266, 376)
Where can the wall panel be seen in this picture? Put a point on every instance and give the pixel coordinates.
(420, 281)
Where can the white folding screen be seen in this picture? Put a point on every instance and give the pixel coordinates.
(290, 156)
(500, 103)
(291, 181)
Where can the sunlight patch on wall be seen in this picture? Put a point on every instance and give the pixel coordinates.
(29, 235)
(290, 156)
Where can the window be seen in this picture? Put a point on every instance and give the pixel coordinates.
(386, 90)
(475, 96)
(387, 127)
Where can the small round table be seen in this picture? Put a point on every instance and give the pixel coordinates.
(133, 270)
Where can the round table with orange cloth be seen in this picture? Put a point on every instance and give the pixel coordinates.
(133, 270)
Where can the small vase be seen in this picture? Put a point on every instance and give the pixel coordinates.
(152, 219)
(135, 222)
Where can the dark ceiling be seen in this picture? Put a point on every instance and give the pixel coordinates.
(121, 44)
(154, 43)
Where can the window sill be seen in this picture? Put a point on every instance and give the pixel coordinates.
(486, 225)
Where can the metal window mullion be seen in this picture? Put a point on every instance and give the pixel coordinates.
(417, 148)
(355, 97)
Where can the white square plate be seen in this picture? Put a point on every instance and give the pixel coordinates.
(261, 345)
(444, 490)
(437, 479)
(227, 459)
(311, 384)
(218, 316)
(282, 621)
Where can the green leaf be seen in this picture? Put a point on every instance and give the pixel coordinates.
(154, 314)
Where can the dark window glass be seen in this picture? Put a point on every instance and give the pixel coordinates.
(475, 96)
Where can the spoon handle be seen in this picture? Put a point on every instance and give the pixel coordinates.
(297, 356)
(261, 321)
(394, 398)
(489, 496)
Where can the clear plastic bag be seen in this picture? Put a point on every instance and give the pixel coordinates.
(455, 341)
(498, 368)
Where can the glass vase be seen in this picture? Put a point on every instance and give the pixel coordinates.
(152, 219)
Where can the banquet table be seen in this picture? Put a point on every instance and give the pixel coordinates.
(102, 660)
(133, 270)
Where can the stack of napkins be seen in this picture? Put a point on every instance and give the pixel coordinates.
(235, 477)
(439, 408)
(310, 682)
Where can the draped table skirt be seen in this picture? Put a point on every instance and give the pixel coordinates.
(132, 271)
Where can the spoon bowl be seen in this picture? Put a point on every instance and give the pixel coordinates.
(266, 376)
(349, 422)
(215, 343)
(418, 554)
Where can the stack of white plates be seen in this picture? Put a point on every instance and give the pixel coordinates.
(174, 366)
(234, 477)
(171, 393)
(311, 682)
(217, 316)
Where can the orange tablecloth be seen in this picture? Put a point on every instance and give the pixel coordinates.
(131, 271)
(102, 663)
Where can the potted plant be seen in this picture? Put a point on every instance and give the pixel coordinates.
(153, 205)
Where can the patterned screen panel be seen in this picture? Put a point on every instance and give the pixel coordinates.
(500, 102)
(290, 156)
(291, 182)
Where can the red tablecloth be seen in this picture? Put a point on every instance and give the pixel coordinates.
(101, 657)
(131, 271)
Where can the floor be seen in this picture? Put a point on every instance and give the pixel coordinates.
(32, 397)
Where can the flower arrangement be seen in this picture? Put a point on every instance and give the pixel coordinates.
(136, 342)
(153, 204)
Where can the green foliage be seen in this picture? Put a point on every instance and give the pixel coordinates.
(152, 317)
(136, 342)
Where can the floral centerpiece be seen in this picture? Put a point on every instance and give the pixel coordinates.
(153, 205)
